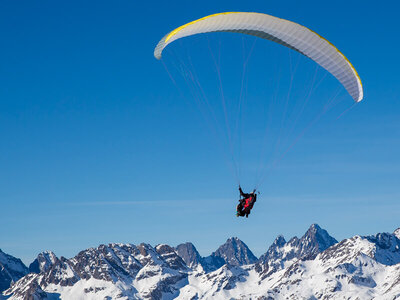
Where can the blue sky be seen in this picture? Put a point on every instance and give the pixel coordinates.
(98, 145)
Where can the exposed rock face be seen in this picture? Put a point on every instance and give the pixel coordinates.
(313, 242)
(190, 255)
(387, 248)
(235, 253)
(312, 267)
(11, 270)
(29, 288)
(116, 264)
(361, 267)
(382, 247)
(43, 262)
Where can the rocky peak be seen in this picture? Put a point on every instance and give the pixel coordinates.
(275, 250)
(43, 262)
(110, 263)
(13, 264)
(27, 288)
(279, 241)
(149, 255)
(234, 252)
(169, 255)
(11, 270)
(313, 242)
(386, 249)
(383, 248)
(189, 254)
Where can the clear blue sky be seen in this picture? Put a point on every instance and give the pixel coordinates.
(97, 145)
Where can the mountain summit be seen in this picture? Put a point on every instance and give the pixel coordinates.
(235, 253)
(43, 262)
(189, 254)
(281, 253)
(11, 270)
(313, 242)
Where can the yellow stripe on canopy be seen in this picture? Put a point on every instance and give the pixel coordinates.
(284, 32)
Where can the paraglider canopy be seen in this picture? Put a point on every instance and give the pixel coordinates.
(267, 122)
(284, 32)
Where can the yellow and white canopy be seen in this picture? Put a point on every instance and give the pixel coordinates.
(284, 32)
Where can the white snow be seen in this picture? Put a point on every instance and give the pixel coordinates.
(12, 263)
(356, 268)
(397, 233)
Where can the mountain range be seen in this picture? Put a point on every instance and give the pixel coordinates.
(314, 266)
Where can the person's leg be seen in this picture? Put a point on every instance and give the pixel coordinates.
(238, 210)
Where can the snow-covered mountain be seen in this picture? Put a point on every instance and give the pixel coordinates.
(397, 233)
(43, 262)
(11, 269)
(281, 253)
(314, 266)
(234, 252)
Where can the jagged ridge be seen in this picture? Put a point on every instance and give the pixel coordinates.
(313, 266)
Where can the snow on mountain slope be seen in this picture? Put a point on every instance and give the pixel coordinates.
(358, 277)
(11, 269)
(348, 270)
(233, 252)
(356, 268)
(115, 270)
(43, 262)
(397, 233)
(312, 267)
(382, 247)
(281, 253)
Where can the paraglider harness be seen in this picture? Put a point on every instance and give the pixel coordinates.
(246, 203)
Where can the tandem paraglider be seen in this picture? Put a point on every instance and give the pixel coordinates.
(286, 33)
(246, 203)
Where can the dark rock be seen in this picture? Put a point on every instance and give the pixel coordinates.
(234, 252)
(11, 270)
